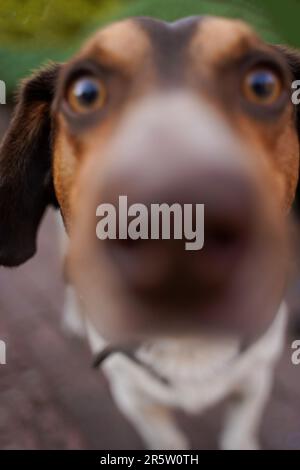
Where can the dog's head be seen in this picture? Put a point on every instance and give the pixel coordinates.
(194, 112)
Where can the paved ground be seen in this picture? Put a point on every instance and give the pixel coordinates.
(50, 398)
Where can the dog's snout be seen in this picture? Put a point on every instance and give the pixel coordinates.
(173, 268)
(174, 150)
(183, 157)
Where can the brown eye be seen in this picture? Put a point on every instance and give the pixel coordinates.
(262, 86)
(86, 94)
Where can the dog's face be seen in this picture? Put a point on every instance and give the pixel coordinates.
(197, 111)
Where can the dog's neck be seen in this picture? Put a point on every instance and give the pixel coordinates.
(178, 359)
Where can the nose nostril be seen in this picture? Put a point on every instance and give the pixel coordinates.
(123, 251)
(142, 263)
(127, 244)
(222, 238)
(225, 237)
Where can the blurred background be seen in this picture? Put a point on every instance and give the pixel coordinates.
(50, 398)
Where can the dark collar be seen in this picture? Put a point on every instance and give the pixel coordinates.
(130, 353)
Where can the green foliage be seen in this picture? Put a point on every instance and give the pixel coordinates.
(34, 31)
(48, 22)
(171, 10)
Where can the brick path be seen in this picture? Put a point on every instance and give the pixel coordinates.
(50, 398)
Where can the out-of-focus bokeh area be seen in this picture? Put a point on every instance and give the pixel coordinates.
(34, 31)
(49, 395)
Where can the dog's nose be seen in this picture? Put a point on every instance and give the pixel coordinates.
(175, 148)
(164, 270)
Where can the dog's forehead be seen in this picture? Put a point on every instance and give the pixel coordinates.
(121, 43)
(127, 43)
(218, 39)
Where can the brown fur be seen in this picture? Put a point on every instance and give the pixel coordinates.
(215, 42)
(137, 57)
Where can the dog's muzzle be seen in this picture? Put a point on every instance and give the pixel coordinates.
(174, 149)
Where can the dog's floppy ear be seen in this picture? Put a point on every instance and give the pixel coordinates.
(26, 186)
(292, 56)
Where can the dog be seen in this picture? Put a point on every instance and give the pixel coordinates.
(195, 110)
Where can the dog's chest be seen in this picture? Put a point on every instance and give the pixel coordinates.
(187, 374)
(190, 374)
(191, 360)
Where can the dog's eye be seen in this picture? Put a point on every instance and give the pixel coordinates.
(262, 86)
(86, 94)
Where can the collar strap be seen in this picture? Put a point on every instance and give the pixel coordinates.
(129, 352)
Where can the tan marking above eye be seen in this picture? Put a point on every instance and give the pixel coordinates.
(86, 94)
(262, 86)
(120, 45)
(219, 39)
